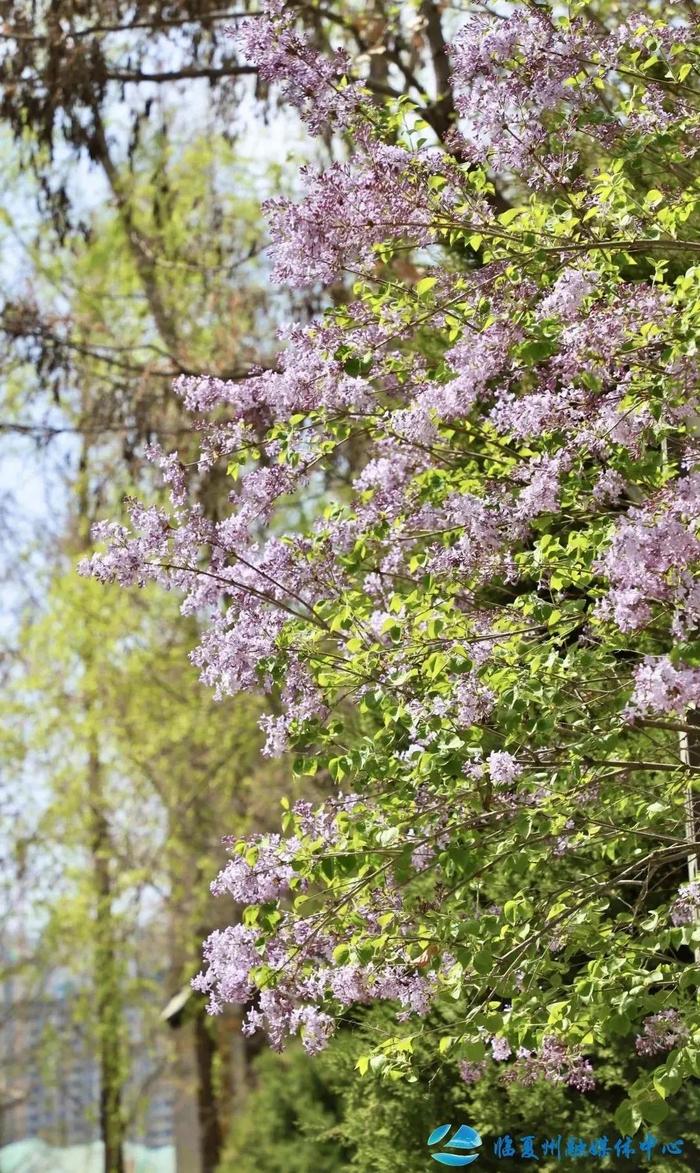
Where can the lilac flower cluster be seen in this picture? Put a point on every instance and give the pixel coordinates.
(304, 988)
(503, 768)
(616, 322)
(381, 198)
(500, 1049)
(316, 83)
(471, 1073)
(511, 73)
(651, 560)
(660, 687)
(570, 289)
(685, 909)
(661, 1032)
(264, 879)
(554, 1062)
(476, 360)
(359, 209)
(529, 386)
(304, 992)
(508, 73)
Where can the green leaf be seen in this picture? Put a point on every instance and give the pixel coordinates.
(628, 1118)
(425, 285)
(483, 961)
(667, 1083)
(655, 1111)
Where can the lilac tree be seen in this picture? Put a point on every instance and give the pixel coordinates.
(489, 641)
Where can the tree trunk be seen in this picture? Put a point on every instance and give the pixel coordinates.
(209, 1125)
(690, 755)
(106, 979)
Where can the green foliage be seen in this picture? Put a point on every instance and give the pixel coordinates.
(289, 1120)
(542, 913)
(305, 1114)
(130, 774)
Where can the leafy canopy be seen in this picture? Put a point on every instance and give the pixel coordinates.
(489, 644)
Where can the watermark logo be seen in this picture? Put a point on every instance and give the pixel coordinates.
(558, 1148)
(464, 1138)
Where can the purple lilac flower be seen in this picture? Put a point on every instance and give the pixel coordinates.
(471, 1072)
(503, 768)
(567, 293)
(661, 687)
(685, 909)
(500, 1048)
(661, 1032)
(553, 1062)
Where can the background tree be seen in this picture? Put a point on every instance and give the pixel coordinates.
(88, 383)
(167, 278)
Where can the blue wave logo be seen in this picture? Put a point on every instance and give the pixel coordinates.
(464, 1138)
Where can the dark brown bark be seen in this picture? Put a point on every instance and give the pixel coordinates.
(107, 967)
(107, 993)
(212, 73)
(441, 114)
(209, 1124)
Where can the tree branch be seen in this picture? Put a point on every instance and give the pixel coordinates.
(193, 71)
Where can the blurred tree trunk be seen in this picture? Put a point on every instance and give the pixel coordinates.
(107, 983)
(107, 969)
(210, 1134)
(690, 756)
